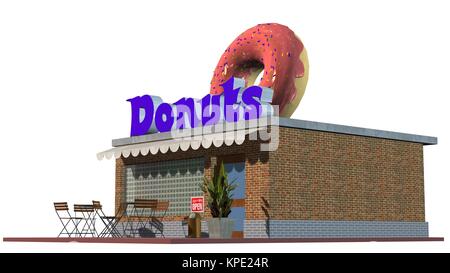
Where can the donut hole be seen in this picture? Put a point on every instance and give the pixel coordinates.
(259, 77)
(252, 71)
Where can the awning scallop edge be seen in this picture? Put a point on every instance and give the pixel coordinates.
(194, 142)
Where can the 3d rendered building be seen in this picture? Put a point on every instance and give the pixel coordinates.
(323, 181)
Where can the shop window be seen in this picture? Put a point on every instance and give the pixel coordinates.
(175, 181)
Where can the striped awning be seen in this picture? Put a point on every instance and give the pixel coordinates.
(185, 143)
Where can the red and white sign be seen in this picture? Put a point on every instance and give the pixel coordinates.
(197, 204)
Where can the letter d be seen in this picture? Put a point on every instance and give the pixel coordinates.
(141, 126)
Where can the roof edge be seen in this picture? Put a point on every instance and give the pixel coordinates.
(358, 131)
(291, 123)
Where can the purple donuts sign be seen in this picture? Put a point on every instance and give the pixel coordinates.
(149, 114)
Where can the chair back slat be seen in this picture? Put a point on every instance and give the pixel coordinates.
(145, 203)
(83, 208)
(162, 205)
(61, 206)
(97, 204)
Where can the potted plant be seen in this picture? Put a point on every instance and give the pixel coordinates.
(219, 198)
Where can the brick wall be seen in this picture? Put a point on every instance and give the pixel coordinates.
(319, 176)
(328, 176)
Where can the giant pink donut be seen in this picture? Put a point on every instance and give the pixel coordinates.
(275, 49)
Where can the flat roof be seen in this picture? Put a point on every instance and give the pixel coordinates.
(358, 131)
(298, 124)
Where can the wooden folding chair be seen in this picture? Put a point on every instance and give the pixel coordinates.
(88, 217)
(110, 222)
(158, 216)
(142, 213)
(62, 210)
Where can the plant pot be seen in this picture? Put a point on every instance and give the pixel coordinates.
(220, 228)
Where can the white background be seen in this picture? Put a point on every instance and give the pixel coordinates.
(67, 68)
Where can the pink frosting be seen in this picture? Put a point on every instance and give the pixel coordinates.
(273, 47)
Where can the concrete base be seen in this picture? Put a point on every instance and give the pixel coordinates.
(333, 229)
(298, 229)
(214, 241)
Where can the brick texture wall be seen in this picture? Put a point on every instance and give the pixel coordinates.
(318, 176)
(328, 176)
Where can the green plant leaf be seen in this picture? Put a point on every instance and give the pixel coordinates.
(219, 192)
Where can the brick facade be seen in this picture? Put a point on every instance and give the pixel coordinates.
(328, 176)
(318, 176)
